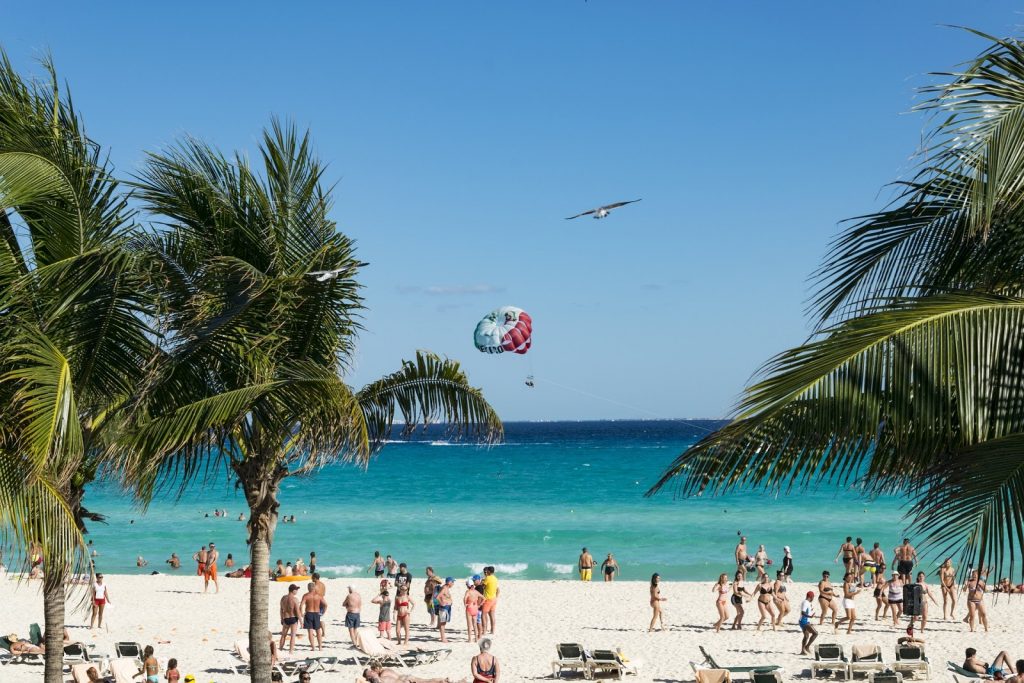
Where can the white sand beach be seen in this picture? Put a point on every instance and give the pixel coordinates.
(532, 617)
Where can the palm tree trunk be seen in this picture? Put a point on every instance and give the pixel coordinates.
(261, 485)
(53, 611)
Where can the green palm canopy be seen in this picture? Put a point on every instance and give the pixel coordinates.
(914, 379)
(258, 316)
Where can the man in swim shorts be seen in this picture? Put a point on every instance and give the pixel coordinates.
(211, 569)
(289, 617)
(973, 663)
(353, 604)
(586, 565)
(491, 593)
(905, 555)
(312, 606)
(741, 555)
(200, 558)
(429, 588)
(322, 590)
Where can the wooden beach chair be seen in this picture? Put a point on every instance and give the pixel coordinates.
(711, 663)
(865, 659)
(829, 657)
(912, 658)
(570, 658)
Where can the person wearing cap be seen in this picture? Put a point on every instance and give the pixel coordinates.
(189, 678)
(353, 604)
(444, 607)
(289, 617)
(211, 569)
(810, 633)
(473, 601)
(787, 561)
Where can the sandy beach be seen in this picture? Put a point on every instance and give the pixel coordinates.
(532, 617)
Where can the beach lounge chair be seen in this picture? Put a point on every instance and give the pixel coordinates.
(960, 671)
(125, 670)
(885, 677)
(385, 652)
(75, 653)
(913, 659)
(35, 634)
(128, 649)
(865, 659)
(704, 675)
(8, 657)
(829, 657)
(711, 663)
(79, 672)
(603, 661)
(570, 658)
(766, 677)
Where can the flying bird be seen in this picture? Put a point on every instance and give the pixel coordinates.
(325, 275)
(602, 211)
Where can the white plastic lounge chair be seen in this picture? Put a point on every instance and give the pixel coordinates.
(603, 661)
(125, 669)
(129, 650)
(766, 677)
(570, 658)
(829, 657)
(75, 653)
(912, 658)
(885, 677)
(865, 659)
(736, 671)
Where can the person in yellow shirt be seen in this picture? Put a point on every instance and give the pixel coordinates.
(491, 592)
(586, 565)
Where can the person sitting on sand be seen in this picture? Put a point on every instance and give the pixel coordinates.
(973, 663)
(485, 667)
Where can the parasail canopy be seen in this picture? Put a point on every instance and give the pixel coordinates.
(504, 329)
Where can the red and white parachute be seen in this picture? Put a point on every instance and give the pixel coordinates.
(504, 329)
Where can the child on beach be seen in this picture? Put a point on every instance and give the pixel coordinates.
(384, 615)
(172, 674)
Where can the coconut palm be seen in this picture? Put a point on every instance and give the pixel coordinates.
(914, 379)
(72, 344)
(259, 300)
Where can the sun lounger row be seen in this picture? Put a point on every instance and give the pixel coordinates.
(867, 659)
(573, 657)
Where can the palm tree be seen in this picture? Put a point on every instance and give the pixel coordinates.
(72, 344)
(914, 379)
(258, 317)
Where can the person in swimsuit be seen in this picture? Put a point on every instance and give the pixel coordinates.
(100, 597)
(200, 558)
(764, 593)
(312, 607)
(848, 551)
(809, 632)
(172, 675)
(377, 565)
(150, 666)
(760, 560)
(894, 590)
(926, 595)
(881, 596)
(947, 584)
(585, 564)
(781, 598)
(211, 569)
(444, 607)
(656, 601)
(429, 588)
(391, 567)
(472, 602)
(485, 667)
(312, 562)
(850, 589)
(973, 663)
(609, 568)
(787, 560)
(827, 599)
(289, 617)
(858, 564)
(403, 610)
(384, 614)
(906, 556)
(741, 555)
(739, 594)
(975, 588)
(721, 591)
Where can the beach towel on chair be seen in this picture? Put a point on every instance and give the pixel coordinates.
(866, 653)
(713, 676)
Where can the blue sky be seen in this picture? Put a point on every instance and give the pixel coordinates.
(461, 133)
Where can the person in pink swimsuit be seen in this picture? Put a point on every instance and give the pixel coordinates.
(473, 601)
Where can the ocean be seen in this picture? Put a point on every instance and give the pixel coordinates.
(526, 506)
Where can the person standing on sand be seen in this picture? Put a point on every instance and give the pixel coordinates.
(656, 600)
(781, 598)
(947, 584)
(429, 588)
(321, 588)
(200, 558)
(100, 597)
(211, 569)
(444, 607)
(760, 560)
(741, 555)
(787, 560)
(353, 604)
(491, 593)
(150, 666)
(403, 610)
(975, 588)
(609, 568)
(895, 593)
(906, 556)
(847, 551)
(384, 613)
(312, 606)
(858, 564)
(809, 632)
(850, 589)
(739, 595)
(721, 591)
(926, 594)
(289, 617)
(765, 592)
(586, 565)
(473, 601)
(881, 595)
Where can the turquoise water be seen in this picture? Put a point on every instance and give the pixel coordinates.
(526, 506)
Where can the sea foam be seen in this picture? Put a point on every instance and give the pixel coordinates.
(514, 568)
(341, 569)
(556, 568)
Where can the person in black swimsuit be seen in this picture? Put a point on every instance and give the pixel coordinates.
(610, 568)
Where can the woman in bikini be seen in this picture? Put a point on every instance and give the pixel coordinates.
(377, 565)
(656, 601)
(850, 589)
(781, 598)
(764, 593)
(760, 560)
(827, 599)
(881, 597)
(739, 594)
(721, 591)
(926, 595)
(150, 665)
(403, 612)
(472, 601)
(895, 594)
(484, 667)
(947, 584)
(975, 588)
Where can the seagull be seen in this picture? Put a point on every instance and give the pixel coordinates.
(602, 211)
(325, 275)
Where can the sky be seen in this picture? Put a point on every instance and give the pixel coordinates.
(460, 134)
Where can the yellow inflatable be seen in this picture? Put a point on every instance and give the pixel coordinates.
(292, 578)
